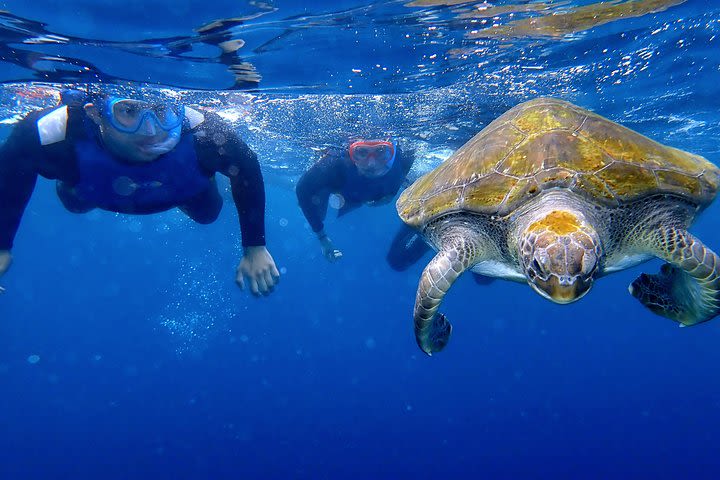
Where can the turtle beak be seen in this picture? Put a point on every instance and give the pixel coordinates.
(563, 289)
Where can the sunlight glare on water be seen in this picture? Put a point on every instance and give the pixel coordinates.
(461, 65)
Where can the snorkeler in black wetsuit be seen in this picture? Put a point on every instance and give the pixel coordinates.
(137, 153)
(367, 172)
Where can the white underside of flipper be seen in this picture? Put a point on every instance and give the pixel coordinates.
(493, 268)
(621, 262)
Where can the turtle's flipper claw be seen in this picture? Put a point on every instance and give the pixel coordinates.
(439, 336)
(668, 293)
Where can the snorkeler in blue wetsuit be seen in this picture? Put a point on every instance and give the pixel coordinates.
(367, 172)
(137, 153)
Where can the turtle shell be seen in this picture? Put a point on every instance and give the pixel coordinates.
(548, 143)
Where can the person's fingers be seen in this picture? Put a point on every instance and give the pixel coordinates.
(269, 280)
(275, 273)
(240, 280)
(5, 261)
(254, 287)
(262, 286)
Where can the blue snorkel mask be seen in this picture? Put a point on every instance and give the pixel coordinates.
(128, 115)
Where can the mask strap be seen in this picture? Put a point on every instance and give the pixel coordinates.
(392, 159)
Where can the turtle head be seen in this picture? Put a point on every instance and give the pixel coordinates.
(559, 253)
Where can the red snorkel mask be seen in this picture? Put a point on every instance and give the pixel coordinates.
(376, 156)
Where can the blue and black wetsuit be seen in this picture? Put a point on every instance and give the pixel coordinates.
(335, 173)
(88, 176)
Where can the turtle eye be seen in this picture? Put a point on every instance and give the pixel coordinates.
(538, 266)
(535, 270)
(589, 262)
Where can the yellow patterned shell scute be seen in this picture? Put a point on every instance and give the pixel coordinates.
(625, 180)
(488, 191)
(549, 143)
(680, 182)
(547, 117)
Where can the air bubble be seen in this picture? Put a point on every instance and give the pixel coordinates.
(336, 201)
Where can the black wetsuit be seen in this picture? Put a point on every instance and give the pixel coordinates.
(209, 148)
(336, 173)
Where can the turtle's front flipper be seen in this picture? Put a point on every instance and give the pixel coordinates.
(461, 249)
(687, 289)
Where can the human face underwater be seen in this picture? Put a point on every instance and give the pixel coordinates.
(373, 158)
(137, 130)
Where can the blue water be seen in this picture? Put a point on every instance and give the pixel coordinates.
(127, 351)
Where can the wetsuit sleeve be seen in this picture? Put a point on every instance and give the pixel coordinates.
(315, 186)
(19, 160)
(221, 150)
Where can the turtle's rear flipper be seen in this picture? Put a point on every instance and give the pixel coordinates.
(687, 289)
(406, 249)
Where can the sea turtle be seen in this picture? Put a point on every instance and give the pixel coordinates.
(557, 196)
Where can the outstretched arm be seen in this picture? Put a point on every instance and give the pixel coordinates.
(221, 150)
(314, 188)
(18, 174)
(19, 159)
(313, 192)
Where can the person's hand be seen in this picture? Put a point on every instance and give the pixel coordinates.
(258, 267)
(331, 253)
(5, 261)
